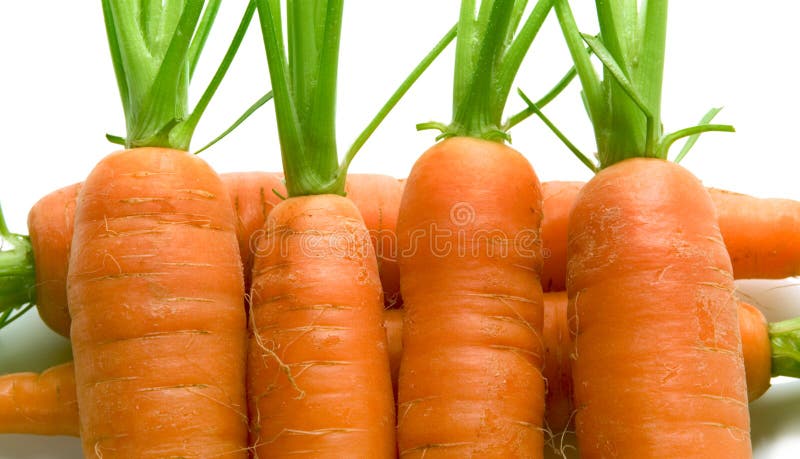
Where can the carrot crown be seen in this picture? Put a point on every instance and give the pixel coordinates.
(785, 340)
(488, 56)
(155, 47)
(304, 85)
(625, 105)
(17, 276)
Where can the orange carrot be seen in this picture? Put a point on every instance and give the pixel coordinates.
(469, 244)
(762, 235)
(316, 298)
(657, 371)
(319, 383)
(41, 404)
(155, 293)
(470, 382)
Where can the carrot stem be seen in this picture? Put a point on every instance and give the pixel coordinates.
(488, 56)
(155, 47)
(785, 339)
(17, 276)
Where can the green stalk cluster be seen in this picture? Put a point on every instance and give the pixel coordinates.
(17, 275)
(625, 104)
(489, 52)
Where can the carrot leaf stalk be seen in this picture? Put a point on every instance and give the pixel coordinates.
(303, 73)
(17, 277)
(785, 340)
(625, 105)
(155, 47)
(488, 56)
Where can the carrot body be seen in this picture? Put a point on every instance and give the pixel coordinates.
(318, 382)
(470, 382)
(50, 223)
(658, 371)
(41, 404)
(155, 294)
(762, 235)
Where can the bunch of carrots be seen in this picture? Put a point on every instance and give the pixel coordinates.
(469, 310)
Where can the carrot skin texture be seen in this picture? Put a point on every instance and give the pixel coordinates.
(470, 383)
(156, 298)
(319, 382)
(761, 234)
(40, 404)
(50, 224)
(673, 385)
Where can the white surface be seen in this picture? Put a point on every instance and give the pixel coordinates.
(58, 97)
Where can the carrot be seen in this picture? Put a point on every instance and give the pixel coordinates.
(470, 382)
(658, 368)
(761, 234)
(154, 284)
(307, 390)
(139, 290)
(319, 382)
(690, 371)
(41, 404)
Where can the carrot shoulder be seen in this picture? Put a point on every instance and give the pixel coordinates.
(470, 381)
(319, 379)
(156, 297)
(658, 371)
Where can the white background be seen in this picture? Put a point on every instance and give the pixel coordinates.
(58, 97)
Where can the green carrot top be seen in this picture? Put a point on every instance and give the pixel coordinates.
(625, 105)
(489, 52)
(303, 78)
(17, 277)
(155, 47)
